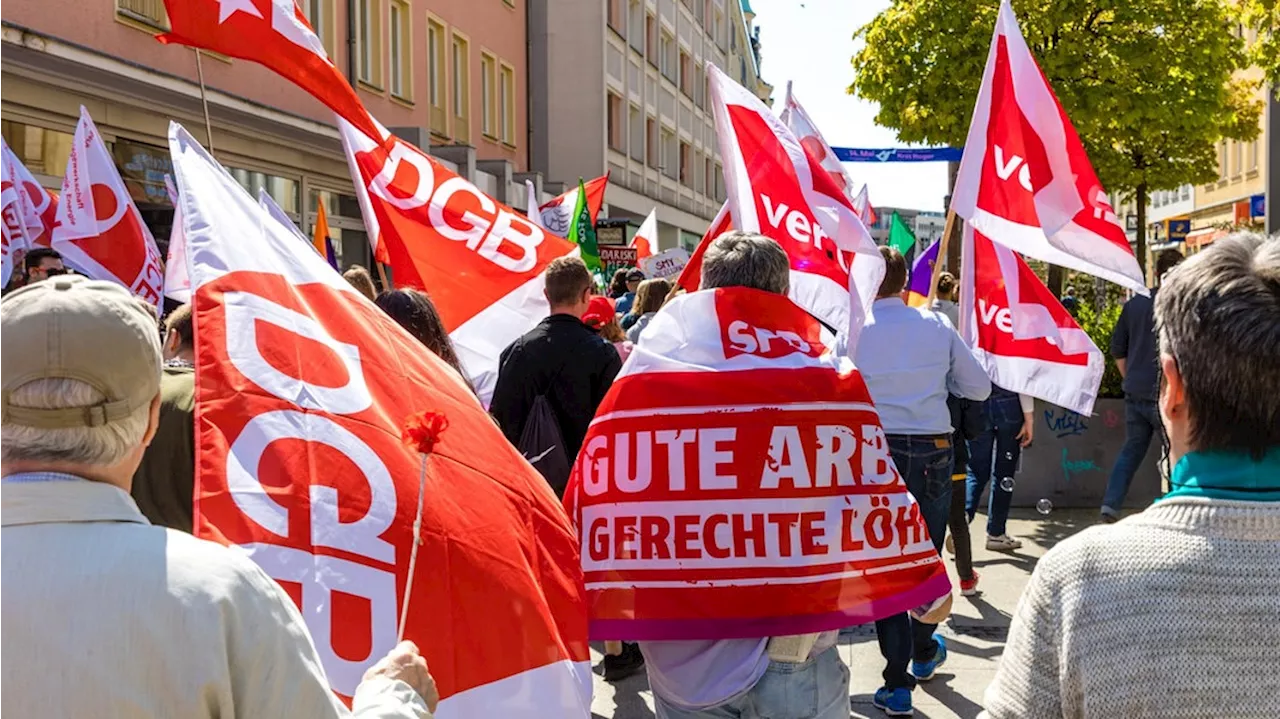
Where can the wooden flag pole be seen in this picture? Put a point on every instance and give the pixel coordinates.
(942, 257)
(382, 275)
(204, 101)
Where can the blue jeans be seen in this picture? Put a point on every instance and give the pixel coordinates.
(1141, 423)
(925, 464)
(994, 453)
(816, 689)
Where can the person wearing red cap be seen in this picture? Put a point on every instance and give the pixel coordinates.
(601, 316)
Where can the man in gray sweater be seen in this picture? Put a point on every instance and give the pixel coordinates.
(1174, 612)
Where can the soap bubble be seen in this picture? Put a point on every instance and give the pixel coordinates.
(1044, 506)
(1007, 484)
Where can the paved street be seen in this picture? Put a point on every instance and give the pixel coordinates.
(975, 633)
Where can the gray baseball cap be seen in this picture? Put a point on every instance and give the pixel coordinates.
(70, 327)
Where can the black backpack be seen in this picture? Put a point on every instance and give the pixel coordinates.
(542, 443)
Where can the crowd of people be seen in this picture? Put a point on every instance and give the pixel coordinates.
(99, 450)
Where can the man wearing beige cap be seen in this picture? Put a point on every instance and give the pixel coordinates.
(105, 615)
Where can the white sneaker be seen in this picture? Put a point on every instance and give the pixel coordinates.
(1003, 543)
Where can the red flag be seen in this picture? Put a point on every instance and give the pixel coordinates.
(556, 216)
(303, 386)
(777, 189)
(30, 211)
(273, 33)
(1048, 357)
(99, 230)
(750, 464)
(481, 261)
(816, 147)
(691, 276)
(1025, 180)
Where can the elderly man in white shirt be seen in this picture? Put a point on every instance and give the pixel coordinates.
(911, 359)
(105, 615)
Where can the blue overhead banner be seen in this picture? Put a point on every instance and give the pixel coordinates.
(897, 154)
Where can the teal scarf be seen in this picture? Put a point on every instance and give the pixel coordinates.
(1227, 475)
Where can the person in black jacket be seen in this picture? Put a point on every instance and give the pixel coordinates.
(561, 359)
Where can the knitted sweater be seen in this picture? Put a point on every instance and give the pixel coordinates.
(1172, 613)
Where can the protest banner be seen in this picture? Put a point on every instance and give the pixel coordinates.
(666, 264)
(736, 482)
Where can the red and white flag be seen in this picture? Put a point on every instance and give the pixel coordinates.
(30, 211)
(303, 386)
(273, 33)
(736, 482)
(556, 216)
(691, 276)
(777, 189)
(862, 205)
(99, 230)
(815, 145)
(646, 238)
(1025, 180)
(177, 268)
(1050, 357)
(481, 261)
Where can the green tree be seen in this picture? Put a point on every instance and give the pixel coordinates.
(1150, 85)
(1264, 16)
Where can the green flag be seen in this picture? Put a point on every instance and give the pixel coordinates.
(583, 233)
(900, 236)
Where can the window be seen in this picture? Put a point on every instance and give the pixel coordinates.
(488, 96)
(615, 17)
(461, 99)
(1252, 165)
(651, 38)
(710, 178)
(651, 137)
(717, 29)
(636, 26)
(686, 170)
(401, 51)
(667, 55)
(669, 159)
(719, 175)
(435, 77)
(699, 87)
(369, 42)
(615, 120)
(1186, 189)
(1237, 157)
(507, 103)
(1222, 160)
(699, 174)
(635, 134)
(320, 13)
(147, 12)
(686, 74)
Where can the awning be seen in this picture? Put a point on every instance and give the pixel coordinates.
(1204, 236)
(1166, 246)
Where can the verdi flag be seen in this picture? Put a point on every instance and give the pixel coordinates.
(901, 238)
(583, 231)
(922, 275)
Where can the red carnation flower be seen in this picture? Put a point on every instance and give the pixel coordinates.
(421, 431)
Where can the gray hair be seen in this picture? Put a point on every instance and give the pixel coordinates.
(100, 446)
(746, 259)
(1218, 317)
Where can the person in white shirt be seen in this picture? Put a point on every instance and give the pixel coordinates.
(104, 614)
(911, 359)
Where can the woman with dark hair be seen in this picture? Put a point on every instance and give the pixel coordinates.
(618, 285)
(414, 311)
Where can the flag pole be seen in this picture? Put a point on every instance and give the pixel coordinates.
(204, 101)
(382, 275)
(942, 254)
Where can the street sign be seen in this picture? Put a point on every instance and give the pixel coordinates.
(1131, 223)
(1178, 230)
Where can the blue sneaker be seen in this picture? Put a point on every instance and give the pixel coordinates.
(924, 671)
(894, 702)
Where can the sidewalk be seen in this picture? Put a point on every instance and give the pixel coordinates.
(975, 632)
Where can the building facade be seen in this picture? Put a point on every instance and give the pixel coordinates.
(619, 86)
(926, 225)
(450, 75)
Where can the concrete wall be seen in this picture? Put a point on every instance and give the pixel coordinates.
(567, 82)
(1071, 458)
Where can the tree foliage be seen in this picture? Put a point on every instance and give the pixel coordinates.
(1263, 16)
(1150, 85)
